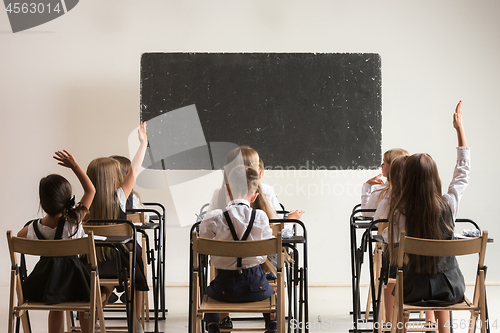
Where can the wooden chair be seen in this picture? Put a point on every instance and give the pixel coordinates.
(140, 218)
(123, 228)
(444, 248)
(53, 248)
(203, 304)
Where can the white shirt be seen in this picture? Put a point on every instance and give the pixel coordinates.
(49, 233)
(371, 197)
(214, 226)
(268, 191)
(455, 190)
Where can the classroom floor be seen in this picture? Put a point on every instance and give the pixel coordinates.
(328, 311)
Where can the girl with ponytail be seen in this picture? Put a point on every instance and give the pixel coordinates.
(60, 279)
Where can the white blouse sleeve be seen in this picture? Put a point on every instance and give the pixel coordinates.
(460, 179)
(208, 227)
(366, 190)
(122, 199)
(370, 197)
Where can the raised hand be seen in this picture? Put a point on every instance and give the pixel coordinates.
(458, 125)
(143, 137)
(377, 180)
(65, 159)
(457, 116)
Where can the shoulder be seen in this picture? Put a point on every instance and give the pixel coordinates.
(213, 215)
(261, 216)
(30, 232)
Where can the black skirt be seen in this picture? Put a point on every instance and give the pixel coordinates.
(58, 279)
(443, 288)
(108, 269)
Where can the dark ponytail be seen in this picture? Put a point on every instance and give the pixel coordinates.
(56, 197)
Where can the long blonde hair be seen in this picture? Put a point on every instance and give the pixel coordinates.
(105, 174)
(250, 158)
(125, 165)
(389, 157)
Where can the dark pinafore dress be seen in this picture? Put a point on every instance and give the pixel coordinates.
(440, 287)
(108, 267)
(243, 284)
(57, 279)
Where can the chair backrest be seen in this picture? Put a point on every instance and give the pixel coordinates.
(237, 248)
(442, 248)
(136, 217)
(109, 227)
(52, 248)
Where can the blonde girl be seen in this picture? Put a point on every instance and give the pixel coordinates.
(133, 200)
(375, 189)
(112, 190)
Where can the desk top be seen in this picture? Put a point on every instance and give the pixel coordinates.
(293, 239)
(148, 225)
(113, 240)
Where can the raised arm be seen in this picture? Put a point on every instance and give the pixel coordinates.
(67, 160)
(462, 168)
(457, 123)
(129, 181)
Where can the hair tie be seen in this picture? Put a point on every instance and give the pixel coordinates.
(71, 203)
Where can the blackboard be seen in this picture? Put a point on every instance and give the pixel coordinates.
(297, 110)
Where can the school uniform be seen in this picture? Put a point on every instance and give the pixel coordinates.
(267, 190)
(447, 285)
(107, 267)
(133, 202)
(371, 197)
(57, 279)
(243, 281)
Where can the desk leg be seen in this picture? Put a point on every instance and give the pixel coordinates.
(354, 279)
(306, 288)
(154, 276)
(161, 268)
(289, 294)
(190, 316)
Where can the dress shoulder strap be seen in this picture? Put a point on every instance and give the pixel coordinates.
(239, 260)
(37, 231)
(60, 228)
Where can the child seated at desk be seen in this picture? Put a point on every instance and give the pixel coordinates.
(133, 199)
(236, 279)
(424, 212)
(60, 279)
(376, 189)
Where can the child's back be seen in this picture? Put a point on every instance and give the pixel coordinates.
(215, 226)
(238, 279)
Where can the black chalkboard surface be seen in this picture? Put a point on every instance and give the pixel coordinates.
(297, 110)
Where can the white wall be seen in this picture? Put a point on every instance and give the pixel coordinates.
(73, 84)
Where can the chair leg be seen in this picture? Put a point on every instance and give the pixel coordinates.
(12, 300)
(145, 305)
(368, 301)
(93, 301)
(482, 302)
